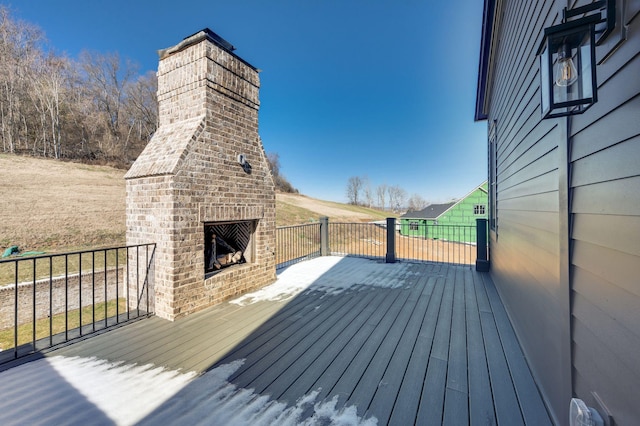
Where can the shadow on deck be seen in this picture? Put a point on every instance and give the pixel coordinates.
(404, 343)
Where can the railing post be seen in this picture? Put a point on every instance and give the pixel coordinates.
(391, 240)
(324, 236)
(482, 261)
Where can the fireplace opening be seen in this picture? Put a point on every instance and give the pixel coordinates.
(227, 244)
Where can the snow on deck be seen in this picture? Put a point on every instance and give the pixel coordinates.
(76, 390)
(345, 273)
(340, 341)
(73, 390)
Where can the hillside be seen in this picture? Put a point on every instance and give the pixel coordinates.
(294, 209)
(49, 205)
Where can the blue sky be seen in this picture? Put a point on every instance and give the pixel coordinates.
(379, 88)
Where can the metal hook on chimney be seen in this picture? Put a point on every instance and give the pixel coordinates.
(242, 160)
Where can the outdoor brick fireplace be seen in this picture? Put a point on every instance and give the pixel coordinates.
(202, 189)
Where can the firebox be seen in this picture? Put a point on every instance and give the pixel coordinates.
(202, 189)
(227, 243)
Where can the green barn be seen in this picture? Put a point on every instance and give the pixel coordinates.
(454, 221)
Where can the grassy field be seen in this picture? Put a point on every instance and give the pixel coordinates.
(49, 205)
(53, 206)
(57, 323)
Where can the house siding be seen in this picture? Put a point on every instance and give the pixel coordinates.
(527, 249)
(605, 207)
(566, 252)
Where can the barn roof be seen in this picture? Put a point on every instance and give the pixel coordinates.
(432, 211)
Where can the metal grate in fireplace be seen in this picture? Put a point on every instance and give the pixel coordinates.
(227, 244)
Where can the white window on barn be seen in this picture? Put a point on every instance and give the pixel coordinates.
(479, 209)
(413, 226)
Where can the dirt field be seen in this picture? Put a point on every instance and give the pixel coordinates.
(53, 206)
(47, 205)
(322, 208)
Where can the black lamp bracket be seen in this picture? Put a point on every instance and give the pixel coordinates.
(604, 7)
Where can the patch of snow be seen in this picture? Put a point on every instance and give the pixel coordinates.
(212, 398)
(74, 390)
(126, 393)
(330, 274)
(292, 281)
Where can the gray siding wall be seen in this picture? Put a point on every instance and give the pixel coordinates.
(527, 252)
(566, 257)
(605, 260)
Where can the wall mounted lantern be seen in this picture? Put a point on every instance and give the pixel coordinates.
(567, 59)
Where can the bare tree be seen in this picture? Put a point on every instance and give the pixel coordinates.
(141, 108)
(354, 189)
(281, 182)
(416, 203)
(381, 192)
(273, 158)
(19, 47)
(397, 197)
(368, 192)
(106, 80)
(49, 88)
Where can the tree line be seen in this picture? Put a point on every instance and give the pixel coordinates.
(384, 197)
(96, 108)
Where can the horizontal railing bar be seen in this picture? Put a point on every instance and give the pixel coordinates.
(72, 253)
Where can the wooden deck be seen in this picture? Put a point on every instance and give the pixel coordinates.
(434, 348)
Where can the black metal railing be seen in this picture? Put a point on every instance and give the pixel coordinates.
(297, 243)
(358, 239)
(389, 240)
(51, 299)
(453, 244)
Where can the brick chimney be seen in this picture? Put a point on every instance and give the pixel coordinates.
(203, 175)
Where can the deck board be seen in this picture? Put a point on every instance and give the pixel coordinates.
(533, 411)
(354, 370)
(296, 380)
(335, 359)
(457, 386)
(505, 400)
(391, 346)
(408, 398)
(431, 406)
(481, 410)
(287, 343)
(434, 346)
(321, 332)
(383, 401)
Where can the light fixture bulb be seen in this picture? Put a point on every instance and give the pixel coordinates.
(565, 72)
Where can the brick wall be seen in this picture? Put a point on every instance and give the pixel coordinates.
(189, 175)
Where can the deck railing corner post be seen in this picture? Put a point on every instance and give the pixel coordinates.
(391, 240)
(482, 259)
(324, 236)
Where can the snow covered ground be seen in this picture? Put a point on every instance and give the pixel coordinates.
(73, 390)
